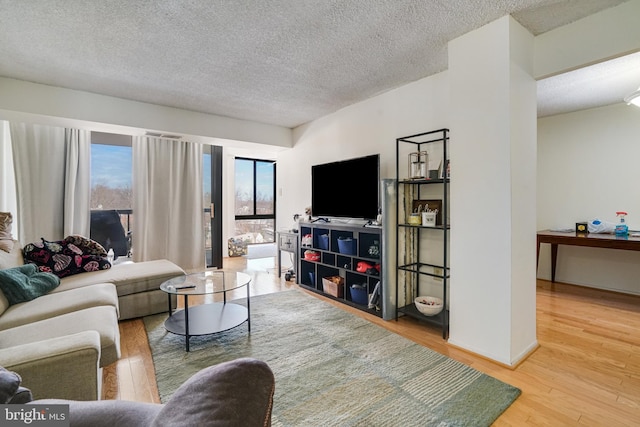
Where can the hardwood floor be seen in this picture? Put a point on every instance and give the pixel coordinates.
(586, 371)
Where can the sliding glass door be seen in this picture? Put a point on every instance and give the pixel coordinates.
(213, 202)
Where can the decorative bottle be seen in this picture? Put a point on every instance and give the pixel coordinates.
(622, 229)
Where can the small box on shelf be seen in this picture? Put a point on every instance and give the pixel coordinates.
(582, 227)
(333, 285)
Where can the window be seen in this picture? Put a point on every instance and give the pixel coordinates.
(255, 202)
(111, 190)
(111, 177)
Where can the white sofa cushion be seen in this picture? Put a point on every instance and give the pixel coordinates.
(51, 305)
(60, 366)
(102, 319)
(137, 284)
(13, 258)
(129, 278)
(9, 260)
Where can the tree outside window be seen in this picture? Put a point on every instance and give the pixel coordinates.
(255, 199)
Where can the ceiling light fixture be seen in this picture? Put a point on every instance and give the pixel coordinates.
(634, 98)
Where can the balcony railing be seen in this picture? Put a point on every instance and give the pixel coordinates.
(262, 227)
(125, 219)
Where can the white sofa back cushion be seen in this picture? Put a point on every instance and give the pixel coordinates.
(10, 260)
(13, 258)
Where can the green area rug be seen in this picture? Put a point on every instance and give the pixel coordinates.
(336, 369)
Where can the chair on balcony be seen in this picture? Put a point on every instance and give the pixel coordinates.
(107, 230)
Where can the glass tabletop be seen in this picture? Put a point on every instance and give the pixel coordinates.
(207, 282)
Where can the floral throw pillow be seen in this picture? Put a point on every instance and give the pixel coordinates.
(63, 258)
(87, 246)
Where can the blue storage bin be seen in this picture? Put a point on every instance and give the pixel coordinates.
(359, 294)
(347, 246)
(312, 277)
(323, 242)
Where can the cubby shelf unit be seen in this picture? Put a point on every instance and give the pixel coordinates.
(335, 261)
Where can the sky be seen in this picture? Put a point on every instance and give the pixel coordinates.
(264, 179)
(244, 177)
(111, 165)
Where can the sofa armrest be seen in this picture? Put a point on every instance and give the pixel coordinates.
(234, 393)
(65, 367)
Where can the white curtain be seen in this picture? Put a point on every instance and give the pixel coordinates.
(77, 179)
(8, 198)
(168, 202)
(52, 181)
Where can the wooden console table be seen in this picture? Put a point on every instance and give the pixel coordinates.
(607, 241)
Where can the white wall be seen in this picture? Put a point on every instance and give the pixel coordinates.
(492, 191)
(611, 33)
(588, 168)
(372, 126)
(49, 105)
(369, 127)
(580, 174)
(55, 106)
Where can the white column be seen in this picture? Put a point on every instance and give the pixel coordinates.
(493, 194)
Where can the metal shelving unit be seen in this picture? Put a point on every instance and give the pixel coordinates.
(422, 252)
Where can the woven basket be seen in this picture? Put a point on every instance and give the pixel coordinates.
(333, 285)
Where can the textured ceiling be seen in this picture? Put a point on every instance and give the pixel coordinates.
(606, 83)
(282, 62)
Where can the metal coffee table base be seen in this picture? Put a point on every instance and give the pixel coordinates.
(207, 319)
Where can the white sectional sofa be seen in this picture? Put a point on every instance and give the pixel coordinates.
(59, 342)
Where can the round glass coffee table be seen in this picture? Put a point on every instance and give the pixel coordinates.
(209, 318)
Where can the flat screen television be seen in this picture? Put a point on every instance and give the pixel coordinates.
(346, 189)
